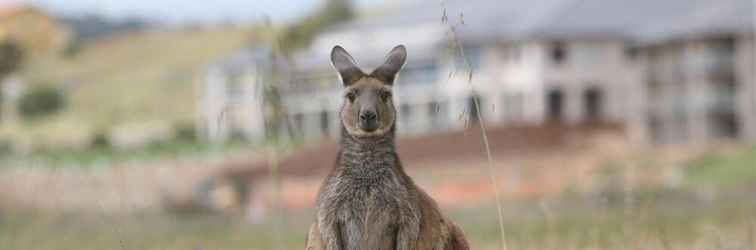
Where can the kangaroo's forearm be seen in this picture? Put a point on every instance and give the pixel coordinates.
(329, 232)
(407, 237)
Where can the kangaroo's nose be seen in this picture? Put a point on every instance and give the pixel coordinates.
(367, 115)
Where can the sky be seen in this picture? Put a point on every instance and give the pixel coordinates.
(189, 10)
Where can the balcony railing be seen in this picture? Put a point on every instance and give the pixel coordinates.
(665, 73)
(712, 66)
(721, 68)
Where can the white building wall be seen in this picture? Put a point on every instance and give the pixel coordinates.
(213, 106)
(601, 64)
(253, 106)
(11, 89)
(746, 80)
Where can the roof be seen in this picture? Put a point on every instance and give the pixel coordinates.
(366, 59)
(642, 22)
(482, 18)
(645, 21)
(701, 18)
(648, 21)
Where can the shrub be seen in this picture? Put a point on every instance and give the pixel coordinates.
(100, 140)
(41, 101)
(184, 132)
(300, 34)
(6, 146)
(238, 137)
(11, 57)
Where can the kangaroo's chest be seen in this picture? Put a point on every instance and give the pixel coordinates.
(370, 213)
(363, 201)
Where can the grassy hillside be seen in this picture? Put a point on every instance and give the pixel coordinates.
(134, 80)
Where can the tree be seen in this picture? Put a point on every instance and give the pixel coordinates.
(301, 34)
(296, 36)
(11, 57)
(41, 101)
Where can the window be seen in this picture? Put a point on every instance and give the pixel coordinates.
(593, 101)
(631, 53)
(723, 96)
(655, 128)
(436, 113)
(511, 54)
(723, 118)
(558, 52)
(299, 122)
(555, 100)
(324, 122)
(406, 112)
(720, 59)
(305, 82)
(424, 74)
(724, 45)
(473, 102)
(234, 85)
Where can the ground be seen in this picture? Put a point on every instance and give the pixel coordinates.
(564, 191)
(647, 227)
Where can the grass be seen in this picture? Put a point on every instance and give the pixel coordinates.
(651, 226)
(140, 232)
(723, 168)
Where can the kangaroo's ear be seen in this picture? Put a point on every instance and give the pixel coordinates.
(394, 62)
(345, 65)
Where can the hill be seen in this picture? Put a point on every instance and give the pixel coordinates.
(133, 80)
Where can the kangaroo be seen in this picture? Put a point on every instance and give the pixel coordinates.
(367, 201)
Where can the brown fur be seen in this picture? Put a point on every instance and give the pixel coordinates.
(368, 201)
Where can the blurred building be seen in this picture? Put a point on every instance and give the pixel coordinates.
(233, 97)
(671, 71)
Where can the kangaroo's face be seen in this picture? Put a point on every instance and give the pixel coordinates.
(368, 107)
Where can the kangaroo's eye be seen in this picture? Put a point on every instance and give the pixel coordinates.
(385, 96)
(350, 97)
